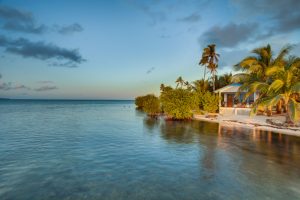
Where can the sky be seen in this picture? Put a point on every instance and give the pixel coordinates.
(119, 49)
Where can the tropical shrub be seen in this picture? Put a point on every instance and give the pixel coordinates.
(209, 102)
(178, 103)
(139, 102)
(151, 105)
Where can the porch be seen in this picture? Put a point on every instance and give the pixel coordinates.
(231, 104)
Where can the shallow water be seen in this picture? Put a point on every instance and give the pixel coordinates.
(108, 150)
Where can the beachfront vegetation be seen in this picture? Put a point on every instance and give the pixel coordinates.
(181, 102)
(209, 102)
(139, 102)
(151, 105)
(178, 103)
(276, 79)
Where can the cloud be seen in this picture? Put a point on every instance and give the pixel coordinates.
(195, 17)
(15, 86)
(0, 76)
(228, 58)
(33, 28)
(69, 29)
(44, 82)
(156, 16)
(40, 50)
(11, 86)
(281, 16)
(46, 88)
(25, 27)
(150, 70)
(229, 35)
(69, 64)
(9, 13)
(21, 21)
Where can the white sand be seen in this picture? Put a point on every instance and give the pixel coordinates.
(256, 122)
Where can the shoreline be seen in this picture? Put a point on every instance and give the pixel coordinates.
(253, 123)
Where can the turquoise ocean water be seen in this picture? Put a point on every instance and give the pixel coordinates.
(108, 150)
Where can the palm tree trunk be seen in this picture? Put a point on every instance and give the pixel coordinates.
(214, 81)
(204, 72)
(287, 114)
(279, 107)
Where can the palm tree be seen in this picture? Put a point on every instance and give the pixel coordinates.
(201, 85)
(188, 86)
(254, 68)
(179, 81)
(223, 80)
(210, 60)
(285, 87)
(162, 87)
(204, 60)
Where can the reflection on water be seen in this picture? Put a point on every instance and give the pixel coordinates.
(109, 150)
(248, 159)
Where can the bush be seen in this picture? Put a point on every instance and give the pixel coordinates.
(151, 105)
(139, 102)
(209, 102)
(178, 103)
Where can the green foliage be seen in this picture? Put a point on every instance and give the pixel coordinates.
(209, 102)
(223, 80)
(151, 105)
(178, 103)
(275, 78)
(139, 102)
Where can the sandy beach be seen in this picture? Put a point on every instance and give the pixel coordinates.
(255, 122)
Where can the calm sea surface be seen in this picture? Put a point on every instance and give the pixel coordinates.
(108, 150)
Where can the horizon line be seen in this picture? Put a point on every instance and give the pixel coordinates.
(45, 99)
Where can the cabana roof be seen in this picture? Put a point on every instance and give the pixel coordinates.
(232, 88)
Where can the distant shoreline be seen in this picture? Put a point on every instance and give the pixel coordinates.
(67, 99)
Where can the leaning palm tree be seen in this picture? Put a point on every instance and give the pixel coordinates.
(254, 68)
(285, 87)
(210, 60)
(179, 81)
(257, 64)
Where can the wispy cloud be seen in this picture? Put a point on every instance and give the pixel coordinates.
(25, 27)
(69, 29)
(17, 20)
(229, 35)
(281, 16)
(9, 13)
(46, 88)
(40, 50)
(12, 86)
(44, 82)
(156, 15)
(194, 17)
(150, 70)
